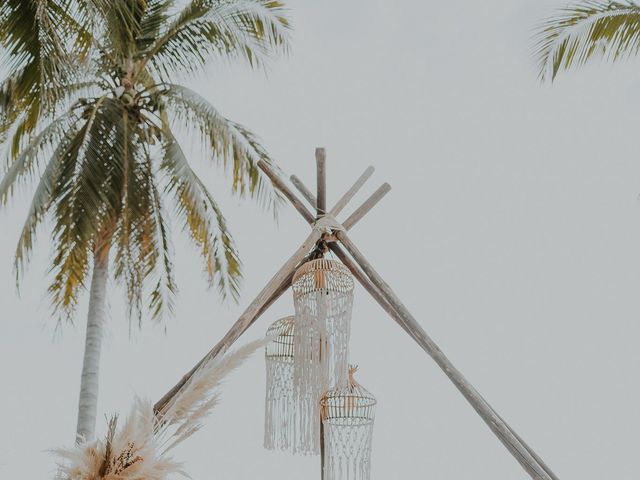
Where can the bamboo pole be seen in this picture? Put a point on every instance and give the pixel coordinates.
(286, 191)
(531, 451)
(321, 209)
(505, 434)
(321, 167)
(368, 204)
(306, 193)
(359, 275)
(340, 204)
(278, 284)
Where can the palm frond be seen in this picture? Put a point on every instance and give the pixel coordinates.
(203, 219)
(121, 22)
(141, 237)
(246, 29)
(592, 28)
(133, 210)
(34, 35)
(155, 18)
(87, 198)
(164, 290)
(72, 240)
(41, 202)
(26, 164)
(232, 146)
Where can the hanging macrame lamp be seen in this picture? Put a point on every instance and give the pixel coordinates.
(323, 299)
(279, 414)
(347, 414)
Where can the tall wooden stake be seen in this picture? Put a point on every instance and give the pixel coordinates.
(340, 204)
(321, 209)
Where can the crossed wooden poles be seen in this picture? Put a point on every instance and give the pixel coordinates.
(327, 232)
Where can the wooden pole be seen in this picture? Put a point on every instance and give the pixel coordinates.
(278, 284)
(306, 193)
(524, 454)
(363, 279)
(340, 204)
(286, 191)
(505, 434)
(531, 451)
(387, 307)
(322, 449)
(321, 167)
(321, 209)
(368, 204)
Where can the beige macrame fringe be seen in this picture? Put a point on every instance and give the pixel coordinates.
(348, 413)
(323, 300)
(280, 410)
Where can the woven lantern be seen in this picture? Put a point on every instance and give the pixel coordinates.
(347, 415)
(323, 299)
(279, 413)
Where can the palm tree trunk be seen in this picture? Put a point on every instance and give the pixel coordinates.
(89, 381)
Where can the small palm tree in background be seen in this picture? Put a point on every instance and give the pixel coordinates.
(586, 30)
(91, 109)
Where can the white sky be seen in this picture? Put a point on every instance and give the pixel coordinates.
(512, 233)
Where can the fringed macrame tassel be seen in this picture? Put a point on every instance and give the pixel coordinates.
(280, 410)
(348, 451)
(323, 299)
(336, 333)
(347, 416)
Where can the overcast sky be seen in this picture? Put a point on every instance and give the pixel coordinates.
(512, 233)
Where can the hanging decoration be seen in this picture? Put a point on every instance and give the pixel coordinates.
(323, 299)
(280, 411)
(347, 415)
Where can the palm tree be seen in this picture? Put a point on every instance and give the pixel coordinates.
(591, 28)
(91, 110)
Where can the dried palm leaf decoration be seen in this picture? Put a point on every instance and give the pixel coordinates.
(323, 300)
(280, 411)
(347, 417)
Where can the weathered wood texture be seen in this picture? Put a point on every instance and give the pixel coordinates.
(384, 295)
(304, 191)
(321, 167)
(286, 191)
(278, 284)
(387, 307)
(340, 204)
(368, 204)
(522, 452)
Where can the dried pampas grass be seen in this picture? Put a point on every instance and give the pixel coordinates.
(138, 449)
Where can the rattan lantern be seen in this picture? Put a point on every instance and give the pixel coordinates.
(347, 414)
(323, 299)
(280, 411)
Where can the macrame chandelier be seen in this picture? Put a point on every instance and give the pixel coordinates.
(323, 299)
(280, 411)
(347, 415)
